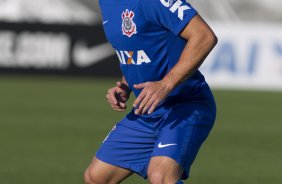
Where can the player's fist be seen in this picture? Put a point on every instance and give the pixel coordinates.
(118, 96)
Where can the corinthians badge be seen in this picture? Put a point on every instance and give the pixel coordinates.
(128, 26)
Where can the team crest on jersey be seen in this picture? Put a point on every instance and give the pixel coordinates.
(128, 26)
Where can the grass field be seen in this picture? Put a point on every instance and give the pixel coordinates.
(51, 127)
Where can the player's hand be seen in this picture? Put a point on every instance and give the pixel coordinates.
(118, 96)
(151, 95)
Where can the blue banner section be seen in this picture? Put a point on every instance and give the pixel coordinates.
(248, 56)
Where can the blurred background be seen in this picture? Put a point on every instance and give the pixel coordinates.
(56, 66)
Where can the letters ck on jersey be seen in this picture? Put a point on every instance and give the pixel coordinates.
(176, 5)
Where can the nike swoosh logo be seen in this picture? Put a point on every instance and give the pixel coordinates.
(165, 145)
(83, 56)
(105, 22)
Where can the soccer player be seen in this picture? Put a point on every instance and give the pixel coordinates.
(160, 45)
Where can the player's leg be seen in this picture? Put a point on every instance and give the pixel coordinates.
(127, 149)
(100, 172)
(164, 170)
(178, 141)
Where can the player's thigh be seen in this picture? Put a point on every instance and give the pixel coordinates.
(165, 169)
(101, 172)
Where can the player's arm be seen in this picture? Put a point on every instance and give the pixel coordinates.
(201, 41)
(118, 95)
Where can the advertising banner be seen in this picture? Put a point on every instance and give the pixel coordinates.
(54, 37)
(247, 56)
(61, 49)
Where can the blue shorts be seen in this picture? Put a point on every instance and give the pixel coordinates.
(177, 134)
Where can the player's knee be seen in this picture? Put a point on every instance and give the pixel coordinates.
(156, 177)
(91, 177)
(87, 177)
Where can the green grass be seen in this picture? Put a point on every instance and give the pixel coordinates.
(51, 127)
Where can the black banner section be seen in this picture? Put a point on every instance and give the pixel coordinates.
(56, 49)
